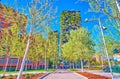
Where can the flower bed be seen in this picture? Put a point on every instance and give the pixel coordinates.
(92, 76)
(25, 76)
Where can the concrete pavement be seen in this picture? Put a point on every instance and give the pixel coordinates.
(64, 74)
(107, 74)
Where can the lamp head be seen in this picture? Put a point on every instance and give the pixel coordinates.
(104, 28)
(86, 20)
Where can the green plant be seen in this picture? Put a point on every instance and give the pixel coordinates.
(10, 77)
(72, 69)
(32, 75)
(28, 76)
(15, 75)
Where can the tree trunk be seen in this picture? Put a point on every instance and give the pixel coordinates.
(36, 65)
(102, 62)
(88, 64)
(17, 65)
(32, 66)
(53, 64)
(73, 66)
(76, 65)
(45, 62)
(23, 61)
(70, 64)
(26, 66)
(10, 65)
(81, 65)
(7, 60)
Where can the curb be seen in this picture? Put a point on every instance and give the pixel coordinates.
(43, 76)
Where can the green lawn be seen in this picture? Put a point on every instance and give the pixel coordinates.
(72, 69)
(37, 71)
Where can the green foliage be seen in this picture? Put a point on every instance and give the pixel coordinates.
(72, 69)
(95, 63)
(28, 76)
(108, 7)
(96, 68)
(10, 77)
(111, 46)
(79, 45)
(10, 36)
(52, 46)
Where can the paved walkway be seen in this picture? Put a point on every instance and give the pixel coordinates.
(64, 74)
(107, 74)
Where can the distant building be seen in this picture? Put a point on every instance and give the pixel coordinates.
(12, 63)
(69, 20)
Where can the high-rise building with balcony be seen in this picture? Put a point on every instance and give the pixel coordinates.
(69, 20)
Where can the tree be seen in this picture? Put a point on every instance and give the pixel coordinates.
(52, 47)
(10, 29)
(108, 7)
(40, 12)
(112, 46)
(79, 45)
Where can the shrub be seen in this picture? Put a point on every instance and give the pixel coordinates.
(32, 75)
(10, 77)
(28, 76)
(15, 75)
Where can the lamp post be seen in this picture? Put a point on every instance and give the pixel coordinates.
(117, 5)
(104, 42)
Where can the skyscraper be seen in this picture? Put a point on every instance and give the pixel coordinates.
(69, 20)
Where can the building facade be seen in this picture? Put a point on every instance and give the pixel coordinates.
(15, 63)
(69, 20)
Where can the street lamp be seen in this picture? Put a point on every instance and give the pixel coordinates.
(104, 42)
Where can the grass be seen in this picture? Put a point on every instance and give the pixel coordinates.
(71, 69)
(38, 71)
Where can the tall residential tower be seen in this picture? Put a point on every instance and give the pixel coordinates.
(69, 20)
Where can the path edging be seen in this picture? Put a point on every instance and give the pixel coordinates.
(80, 75)
(45, 75)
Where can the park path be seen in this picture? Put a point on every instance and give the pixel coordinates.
(106, 74)
(64, 74)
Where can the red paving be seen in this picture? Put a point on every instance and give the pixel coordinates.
(92, 76)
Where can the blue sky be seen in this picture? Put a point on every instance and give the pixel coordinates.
(71, 5)
(62, 5)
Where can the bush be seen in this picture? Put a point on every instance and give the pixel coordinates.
(95, 63)
(15, 75)
(72, 69)
(95, 68)
(10, 77)
(32, 75)
(28, 76)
